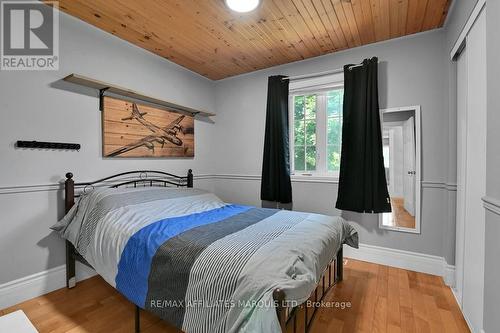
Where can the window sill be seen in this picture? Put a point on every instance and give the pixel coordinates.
(298, 178)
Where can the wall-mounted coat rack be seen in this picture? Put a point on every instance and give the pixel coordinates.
(48, 145)
(104, 87)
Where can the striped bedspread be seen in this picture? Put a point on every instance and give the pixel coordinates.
(199, 263)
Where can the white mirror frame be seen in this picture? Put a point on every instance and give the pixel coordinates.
(418, 169)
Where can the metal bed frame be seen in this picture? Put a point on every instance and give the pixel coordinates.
(292, 319)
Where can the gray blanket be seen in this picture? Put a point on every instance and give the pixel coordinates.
(199, 263)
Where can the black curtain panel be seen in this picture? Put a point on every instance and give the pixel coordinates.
(276, 185)
(362, 182)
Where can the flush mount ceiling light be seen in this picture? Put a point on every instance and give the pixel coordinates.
(242, 6)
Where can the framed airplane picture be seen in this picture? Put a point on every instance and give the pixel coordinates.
(135, 130)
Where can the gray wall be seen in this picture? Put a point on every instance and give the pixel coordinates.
(492, 245)
(412, 72)
(38, 106)
(458, 14)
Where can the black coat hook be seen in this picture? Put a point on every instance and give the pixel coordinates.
(48, 145)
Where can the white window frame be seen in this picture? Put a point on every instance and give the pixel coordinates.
(320, 86)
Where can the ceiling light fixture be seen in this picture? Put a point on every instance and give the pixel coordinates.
(242, 6)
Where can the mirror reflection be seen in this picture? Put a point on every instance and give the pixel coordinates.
(399, 149)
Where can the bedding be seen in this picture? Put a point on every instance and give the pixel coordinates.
(198, 262)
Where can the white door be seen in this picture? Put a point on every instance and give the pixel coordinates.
(461, 167)
(409, 165)
(475, 181)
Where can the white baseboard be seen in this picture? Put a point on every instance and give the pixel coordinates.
(458, 298)
(413, 261)
(38, 284)
(449, 275)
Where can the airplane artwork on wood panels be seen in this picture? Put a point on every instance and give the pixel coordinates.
(135, 130)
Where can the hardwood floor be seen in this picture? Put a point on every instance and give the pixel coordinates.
(382, 299)
(399, 217)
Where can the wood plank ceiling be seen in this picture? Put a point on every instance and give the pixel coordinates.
(209, 39)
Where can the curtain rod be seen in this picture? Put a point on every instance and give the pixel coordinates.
(306, 76)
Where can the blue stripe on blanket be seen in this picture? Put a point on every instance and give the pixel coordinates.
(135, 261)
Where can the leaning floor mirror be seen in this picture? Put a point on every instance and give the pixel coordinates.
(401, 148)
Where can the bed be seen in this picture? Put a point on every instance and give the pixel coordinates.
(197, 262)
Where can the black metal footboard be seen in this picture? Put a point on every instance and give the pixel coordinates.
(299, 318)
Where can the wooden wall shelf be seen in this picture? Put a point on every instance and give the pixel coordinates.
(117, 90)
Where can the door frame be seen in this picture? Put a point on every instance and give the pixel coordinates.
(392, 181)
(418, 169)
(409, 205)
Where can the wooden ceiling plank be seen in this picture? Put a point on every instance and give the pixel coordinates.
(225, 65)
(176, 24)
(318, 13)
(269, 56)
(394, 18)
(227, 46)
(412, 14)
(133, 21)
(325, 43)
(416, 14)
(368, 20)
(238, 25)
(324, 22)
(216, 17)
(445, 13)
(377, 19)
(328, 14)
(254, 23)
(344, 36)
(247, 25)
(99, 19)
(346, 8)
(276, 38)
(362, 25)
(280, 22)
(208, 38)
(385, 21)
(433, 14)
(293, 17)
(280, 53)
(152, 27)
(429, 15)
(108, 23)
(344, 25)
(403, 16)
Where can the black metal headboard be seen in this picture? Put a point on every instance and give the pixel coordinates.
(137, 178)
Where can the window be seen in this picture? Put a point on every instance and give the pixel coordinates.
(316, 130)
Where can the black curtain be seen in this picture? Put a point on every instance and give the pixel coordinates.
(276, 185)
(362, 182)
